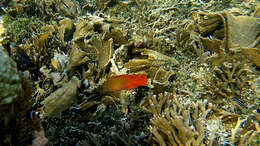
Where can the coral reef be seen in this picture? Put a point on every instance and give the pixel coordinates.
(11, 86)
(15, 127)
(175, 124)
(233, 67)
(129, 72)
(61, 99)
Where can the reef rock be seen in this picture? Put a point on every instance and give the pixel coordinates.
(10, 83)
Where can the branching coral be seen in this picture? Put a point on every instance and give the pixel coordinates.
(176, 124)
(245, 132)
(233, 80)
(157, 104)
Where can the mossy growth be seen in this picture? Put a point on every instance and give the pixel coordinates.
(20, 27)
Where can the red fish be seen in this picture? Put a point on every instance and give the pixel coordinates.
(124, 82)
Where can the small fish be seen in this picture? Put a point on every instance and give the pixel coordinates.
(34, 115)
(124, 82)
(239, 102)
(21, 54)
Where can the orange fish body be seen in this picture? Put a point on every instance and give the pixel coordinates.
(124, 82)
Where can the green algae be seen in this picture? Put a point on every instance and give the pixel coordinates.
(20, 27)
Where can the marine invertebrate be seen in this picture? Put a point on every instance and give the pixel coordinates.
(3, 31)
(233, 82)
(69, 8)
(39, 138)
(245, 132)
(156, 104)
(104, 51)
(154, 55)
(59, 61)
(253, 55)
(135, 65)
(233, 79)
(91, 36)
(61, 99)
(176, 124)
(227, 28)
(82, 29)
(18, 27)
(153, 29)
(77, 57)
(10, 85)
(66, 27)
(14, 104)
(41, 40)
(234, 92)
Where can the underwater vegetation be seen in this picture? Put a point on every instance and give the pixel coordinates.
(129, 72)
